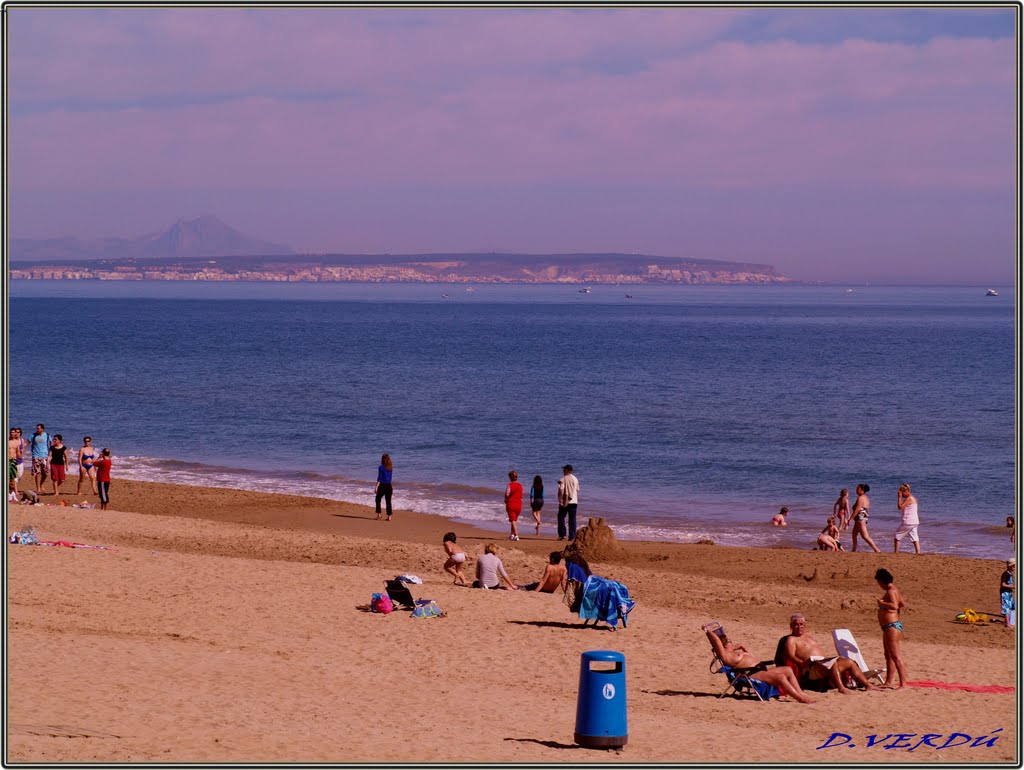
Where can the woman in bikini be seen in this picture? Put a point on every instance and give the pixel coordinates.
(862, 508)
(86, 460)
(841, 509)
(890, 606)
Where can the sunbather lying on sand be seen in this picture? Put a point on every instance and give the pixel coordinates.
(737, 656)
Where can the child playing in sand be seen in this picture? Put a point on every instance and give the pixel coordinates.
(828, 540)
(779, 519)
(456, 558)
(841, 509)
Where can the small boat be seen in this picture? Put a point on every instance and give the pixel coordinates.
(445, 296)
(470, 288)
(585, 290)
(991, 293)
(629, 296)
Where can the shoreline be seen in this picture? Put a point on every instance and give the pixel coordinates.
(709, 524)
(850, 571)
(231, 627)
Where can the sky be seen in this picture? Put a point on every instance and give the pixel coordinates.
(837, 144)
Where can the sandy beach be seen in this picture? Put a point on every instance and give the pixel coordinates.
(230, 626)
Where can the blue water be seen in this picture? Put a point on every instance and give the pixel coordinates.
(687, 412)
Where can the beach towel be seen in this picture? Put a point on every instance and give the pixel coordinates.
(992, 688)
(69, 544)
(409, 579)
(27, 536)
(606, 600)
(427, 608)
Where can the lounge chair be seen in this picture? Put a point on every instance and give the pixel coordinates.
(847, 647)
(741, 680)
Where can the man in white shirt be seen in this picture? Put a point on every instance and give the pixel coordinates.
(568, 499)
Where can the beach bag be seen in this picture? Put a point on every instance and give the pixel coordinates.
(427, 608)
(381, 603)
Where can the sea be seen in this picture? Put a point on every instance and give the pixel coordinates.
(688, 412)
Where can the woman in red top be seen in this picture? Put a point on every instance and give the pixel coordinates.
(513, 502)
(103, 478)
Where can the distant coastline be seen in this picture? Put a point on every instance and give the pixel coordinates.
(606, 268)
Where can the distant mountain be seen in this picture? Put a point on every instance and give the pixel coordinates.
(206, 236)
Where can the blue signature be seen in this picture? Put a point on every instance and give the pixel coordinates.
(906, 741)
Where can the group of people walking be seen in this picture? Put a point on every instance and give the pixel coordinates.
(568, 503)
(568, 498)
(50, 459)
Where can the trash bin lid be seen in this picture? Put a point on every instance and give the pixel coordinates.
(604, 655)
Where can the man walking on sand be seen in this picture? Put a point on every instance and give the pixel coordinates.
(40, 452)
(568, 499)
(804, 650)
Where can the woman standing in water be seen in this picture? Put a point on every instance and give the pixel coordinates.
(383, 486)
(861, 511)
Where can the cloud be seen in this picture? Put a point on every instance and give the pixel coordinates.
(728, 115)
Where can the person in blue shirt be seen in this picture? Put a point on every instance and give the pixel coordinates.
(383, 488)
(40, 443)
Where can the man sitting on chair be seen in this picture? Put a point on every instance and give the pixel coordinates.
(739, 658)
(802, 648)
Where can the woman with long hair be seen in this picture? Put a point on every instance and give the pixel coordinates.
(383, 488)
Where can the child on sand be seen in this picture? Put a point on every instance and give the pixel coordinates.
(841, 509)
(828, 540)
(779, 519)
(456, 558)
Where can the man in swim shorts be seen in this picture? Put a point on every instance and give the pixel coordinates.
(889, 608)
(804, 650)
(40, 442)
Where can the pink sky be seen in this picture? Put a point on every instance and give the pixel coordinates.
(883, 152)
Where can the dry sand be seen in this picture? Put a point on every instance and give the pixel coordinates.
(227, 626)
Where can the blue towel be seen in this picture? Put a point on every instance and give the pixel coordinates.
(765, 690)
(575, 572)
(606, 600)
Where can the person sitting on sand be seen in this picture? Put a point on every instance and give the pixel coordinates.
(739, 657)
(555, 575)
(489, 569)
(890, 606)
(779, 519)
(805, 652)
(828, 540)
(456, 558)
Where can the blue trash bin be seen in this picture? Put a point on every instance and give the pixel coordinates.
(601, 703)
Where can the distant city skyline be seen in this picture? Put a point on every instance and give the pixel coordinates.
(837, 144)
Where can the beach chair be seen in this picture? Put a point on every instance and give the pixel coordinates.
(400, 593)
(606, 600)
(741, 680)
(847, 647)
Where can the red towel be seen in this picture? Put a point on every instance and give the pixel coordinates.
(957, 686)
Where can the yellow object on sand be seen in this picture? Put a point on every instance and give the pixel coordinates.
(970, 616)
